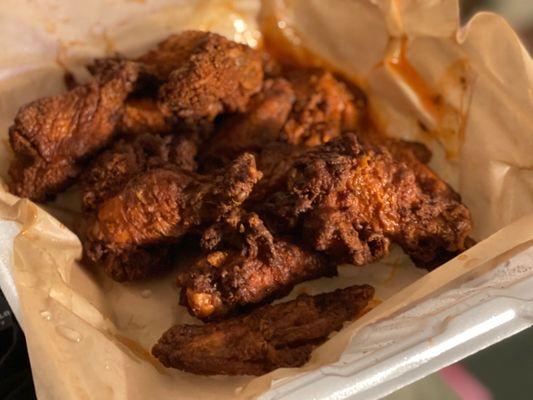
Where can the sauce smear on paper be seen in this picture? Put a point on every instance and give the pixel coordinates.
(429, 98)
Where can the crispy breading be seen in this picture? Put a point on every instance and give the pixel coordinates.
(163, 204)
(324, 108)
(283, 335)
(228, 281)
(351, 198)
(218, 75)
(53, 136)
(142, 115)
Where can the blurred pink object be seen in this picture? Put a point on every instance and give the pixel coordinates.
(463, 383)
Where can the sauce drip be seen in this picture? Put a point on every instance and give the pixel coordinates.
(429, 99)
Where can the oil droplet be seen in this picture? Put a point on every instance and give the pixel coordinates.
(47, 315)
(106, 366)
(146, 293)
(238, 389)
(68, 333)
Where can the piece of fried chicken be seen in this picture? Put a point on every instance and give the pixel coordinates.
(248, 271)
(108, 173)
(209, 75)
(283, 335)
(161, 205)
(53, 136)
(350, 198)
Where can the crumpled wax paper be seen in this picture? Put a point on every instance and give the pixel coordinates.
(466, 92)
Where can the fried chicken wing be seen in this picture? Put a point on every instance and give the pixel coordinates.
(53, 136)
(428, 249)
(214, 75)
(162, 204)
(283, 335)
(351, 199)
(229, 281)
(110, 171)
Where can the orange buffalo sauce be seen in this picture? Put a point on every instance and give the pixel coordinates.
(429, 98)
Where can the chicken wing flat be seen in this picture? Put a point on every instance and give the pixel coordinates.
(217, 75)
(229, 281)
(162, 204)
(52, 136)
(279, 336)
(350, 198)
(108, 173)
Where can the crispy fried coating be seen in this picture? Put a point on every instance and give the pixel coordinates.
(172, 53)
(228, 281)
(251, 131)
(351, 198)
(142, 115)
(217, 75)
(283, 335)
(163, 204)
(110, 171)
(324, 108)
(275, 161)
(53, 136)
